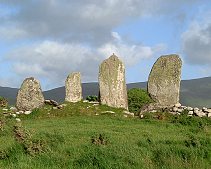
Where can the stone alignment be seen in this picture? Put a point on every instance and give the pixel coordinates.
(73, 87)
(30, 95)
(113, 90)
(164, 80)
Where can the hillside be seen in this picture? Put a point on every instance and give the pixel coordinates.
(195, 93)
(90, 136)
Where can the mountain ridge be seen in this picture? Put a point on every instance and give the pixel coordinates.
(194, 92)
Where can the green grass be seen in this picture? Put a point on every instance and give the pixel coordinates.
(76, 137)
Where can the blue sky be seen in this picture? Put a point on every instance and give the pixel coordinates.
(49, 39)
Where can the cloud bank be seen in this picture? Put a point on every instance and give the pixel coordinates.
(60, 36)
(196, 42)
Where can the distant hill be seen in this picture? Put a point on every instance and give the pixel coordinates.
(196, 92)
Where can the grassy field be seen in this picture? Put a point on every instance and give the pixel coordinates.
(82, 135)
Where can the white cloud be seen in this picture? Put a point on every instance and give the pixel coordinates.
(131, 54)
(54, 60)
(196, 42)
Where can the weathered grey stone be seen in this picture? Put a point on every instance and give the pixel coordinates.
(190, 112)
(27, 112)
(18, 120)
(73, 87)
(189, 108)
(112, 84)
(180, 110)
(128, 113)
(208, 110)
(178, 105)
(164, 80)
(196, 110)
(204, 109)
(175, 109)
(30, 95)
(107, 112)
(200, 113)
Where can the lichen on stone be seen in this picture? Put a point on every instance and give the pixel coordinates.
(164, 80)
(112, 83)
(30, 95)
(73, 87)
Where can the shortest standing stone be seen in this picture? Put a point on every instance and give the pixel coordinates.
(30, 95)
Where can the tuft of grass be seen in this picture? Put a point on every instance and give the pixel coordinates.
(100, 139)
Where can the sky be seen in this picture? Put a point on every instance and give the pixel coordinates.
(48, 39)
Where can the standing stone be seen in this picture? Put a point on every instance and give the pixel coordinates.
(30, 95)
(73, 87)
(164, 80)
(112, 84)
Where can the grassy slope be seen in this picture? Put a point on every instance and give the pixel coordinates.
(63, 139)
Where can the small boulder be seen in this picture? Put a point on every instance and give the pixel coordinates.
(175, 109)
(128, 113)
(14, 109)
(208, 110)
(178, 105)
(28, 112)
(190, 112)
(18, 120)
(189, 108)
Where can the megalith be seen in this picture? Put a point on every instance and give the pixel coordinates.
(164, 80)
(113, 90)
(30, 95)
(73, 87)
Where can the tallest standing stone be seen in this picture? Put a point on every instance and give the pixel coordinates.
(112, 84)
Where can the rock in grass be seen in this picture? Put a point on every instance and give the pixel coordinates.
(190, 112)
(178, 105)
(18, 120)
(108, 112)
(27, 112)
(73, 87)
(189, 108)
(112, 84)
(128, 113)
(14, 115)
(164, 80)
(14, 109)
(30, 95)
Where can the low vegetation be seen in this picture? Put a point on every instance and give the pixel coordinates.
(3, 102)
(92, 98)
(137, 98)
(82, 135)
